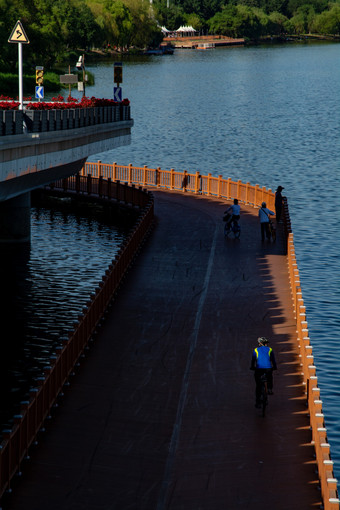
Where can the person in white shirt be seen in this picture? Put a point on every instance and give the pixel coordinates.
(264, 214)
(234, 213)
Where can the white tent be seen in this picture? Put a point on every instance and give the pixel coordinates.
(185, 31)
(165, 30)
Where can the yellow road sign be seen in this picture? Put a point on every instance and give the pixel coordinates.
(18, 34)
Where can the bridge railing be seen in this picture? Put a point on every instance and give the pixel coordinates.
(14, 122)
(187, 182)
(17, 441)
(328, 483)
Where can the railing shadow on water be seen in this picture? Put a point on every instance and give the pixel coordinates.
(105, 182)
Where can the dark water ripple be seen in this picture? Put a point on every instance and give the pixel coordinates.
(45, 289)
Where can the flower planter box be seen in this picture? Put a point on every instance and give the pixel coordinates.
(116, 113)
(99, 114)
(51, 119)
(38, 120)
(58, 120)
(8, 122)
(81, 118)
(44, 121)
(90, 116)
(64, 119)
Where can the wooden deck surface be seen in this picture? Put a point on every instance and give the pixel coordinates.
(160, 415)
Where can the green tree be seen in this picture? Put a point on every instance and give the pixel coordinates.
(195, 21)
(294, 6)
(280, 24)
(120, 23)
(9, 52)
(223, 22)
(236, 21)
(203, 8)
(303, 19)
(328, 22)
(172, 17)
(146, 30)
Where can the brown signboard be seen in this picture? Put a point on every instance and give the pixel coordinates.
(68, 78)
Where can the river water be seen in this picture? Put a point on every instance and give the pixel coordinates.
(267, 115)
(44, 288)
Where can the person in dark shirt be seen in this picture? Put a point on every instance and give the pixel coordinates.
(263, 362)
(278, 203)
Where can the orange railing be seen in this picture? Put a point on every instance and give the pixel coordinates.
(187, 182)
(328, 483)
(16, 442)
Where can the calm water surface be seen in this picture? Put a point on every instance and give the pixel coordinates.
(269, 116)
(44, 289)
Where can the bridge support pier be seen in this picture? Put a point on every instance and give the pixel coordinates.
(15, 220)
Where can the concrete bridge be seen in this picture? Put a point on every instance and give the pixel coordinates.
(41, 146)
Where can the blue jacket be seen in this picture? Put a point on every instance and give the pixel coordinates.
(263, 357)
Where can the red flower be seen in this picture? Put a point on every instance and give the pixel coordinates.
(58, 103)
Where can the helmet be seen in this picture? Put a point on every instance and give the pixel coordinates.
(264, 204)
(262, 340)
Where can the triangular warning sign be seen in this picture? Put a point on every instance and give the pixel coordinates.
(18, 34)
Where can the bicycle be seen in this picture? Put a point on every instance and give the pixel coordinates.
(232, 227)
(264, 394)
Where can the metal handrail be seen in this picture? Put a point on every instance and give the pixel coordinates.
(324, 462)
(207, 185)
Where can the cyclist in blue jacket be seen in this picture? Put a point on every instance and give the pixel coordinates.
(263, 362)
(235, 213)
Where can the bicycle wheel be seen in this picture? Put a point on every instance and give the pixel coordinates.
(264, 398)
(236, 229)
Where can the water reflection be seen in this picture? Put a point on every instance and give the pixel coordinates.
(44, 288)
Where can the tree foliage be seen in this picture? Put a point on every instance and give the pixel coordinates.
(58, 27)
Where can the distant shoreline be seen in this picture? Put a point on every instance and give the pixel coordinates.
(216, 40)
(193, 42)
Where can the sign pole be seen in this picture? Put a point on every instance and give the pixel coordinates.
(69, 86)
(21, 101)
(83, 75)
(19, 37)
